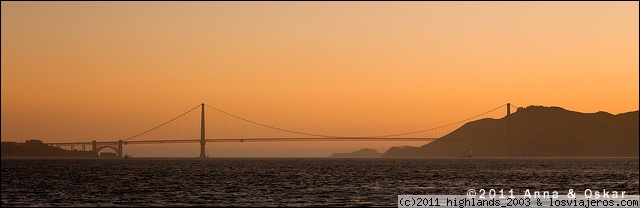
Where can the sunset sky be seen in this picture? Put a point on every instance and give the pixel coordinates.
(110, 70)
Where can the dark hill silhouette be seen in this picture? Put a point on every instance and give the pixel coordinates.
(363, 153)
(35, 148)
(537, 131)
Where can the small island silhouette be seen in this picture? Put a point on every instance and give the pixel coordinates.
(363, 153)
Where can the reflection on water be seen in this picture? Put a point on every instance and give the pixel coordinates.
(293, 181)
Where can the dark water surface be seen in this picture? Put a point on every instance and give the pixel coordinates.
(293, 181)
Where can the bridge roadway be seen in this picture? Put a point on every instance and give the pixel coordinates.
(286, 139)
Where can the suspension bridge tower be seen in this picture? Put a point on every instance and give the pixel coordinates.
(202, 141)
(509, 139)
(509, 123)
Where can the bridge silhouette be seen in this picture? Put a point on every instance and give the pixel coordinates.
(226, 128)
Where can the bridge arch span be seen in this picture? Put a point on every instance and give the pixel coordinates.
(118, 152)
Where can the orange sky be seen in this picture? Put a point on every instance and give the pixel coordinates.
(110, 70)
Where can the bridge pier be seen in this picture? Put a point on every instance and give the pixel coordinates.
(120, 148)
(94, 147)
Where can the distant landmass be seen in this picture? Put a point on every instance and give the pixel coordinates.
(36, 148)
(363, 153)
(537, 131)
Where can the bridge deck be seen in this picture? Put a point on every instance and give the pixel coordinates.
(289, 139)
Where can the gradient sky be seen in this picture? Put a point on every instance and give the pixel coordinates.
(109, 70)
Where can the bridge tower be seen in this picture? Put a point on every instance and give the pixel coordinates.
(202, 141)
(120, 148)
(94, 147)
(509, 139)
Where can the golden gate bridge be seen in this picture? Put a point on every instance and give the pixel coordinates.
(226, 129)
